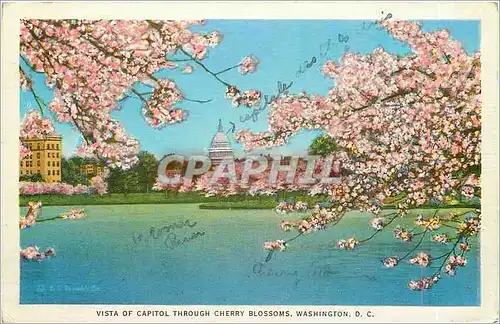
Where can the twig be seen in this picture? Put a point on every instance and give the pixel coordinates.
(198, 101)
(205, 68)
(228, 69)
(388, 223)
(415, 247)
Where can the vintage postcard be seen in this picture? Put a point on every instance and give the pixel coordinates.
(250, 162)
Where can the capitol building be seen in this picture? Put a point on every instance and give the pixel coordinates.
(220, 147)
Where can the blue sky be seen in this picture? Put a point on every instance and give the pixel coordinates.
(282, 47)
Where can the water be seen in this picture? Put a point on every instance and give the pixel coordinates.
(99, 262)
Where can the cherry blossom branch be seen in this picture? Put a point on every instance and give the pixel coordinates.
(270, 254)
(29, 65)
(446, 256)
(141, 96)
(415, 247)
(204, 67)
(228, 69)
(198, 101)
(384, 226)
(29, 82)
(48, 219)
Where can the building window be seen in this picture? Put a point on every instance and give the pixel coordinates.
(52, 146)
(48, 163)
(57, 163)
(47, 146)
(38, 155)
(57, 146)
(37, 163)
(21, 164)
(57, 172)
(57, 154)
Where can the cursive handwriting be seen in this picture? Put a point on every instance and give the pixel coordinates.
(155, 232)
(171, 241)
(254, 115)
(343, 38)
(306, 65)
(376, 23)
(317, 270)
(262, 269)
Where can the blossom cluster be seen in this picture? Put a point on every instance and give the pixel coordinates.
(73, 214)
(98, 185)
(349, 244)
(94, 64)
(34, 209)
(32, 252)
(424, 283)
(318, 220)
(157, 111)
(405, 126)
(249, 64)
(287, 207)
(421, 259)
(59, 188)
(390, 262)
(407, 129)
(278, 245)
(377, 223)
(403, 234)
(249, 98)
(36, 127)
(441, 238)
(453, 262)
(470, 226)
(431, 224)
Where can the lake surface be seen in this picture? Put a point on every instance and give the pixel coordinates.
(103, 259)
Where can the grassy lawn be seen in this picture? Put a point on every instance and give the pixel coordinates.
(162, 198)
(232, 202)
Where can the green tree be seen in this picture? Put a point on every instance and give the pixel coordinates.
(147, 170)
(37, 177)
(323, 146)
(124, 181)
(72, 172)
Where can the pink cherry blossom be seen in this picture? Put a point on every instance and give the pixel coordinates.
(421, 259)
(188, 69)
(249, 64)
(73, 214)
(278, 245)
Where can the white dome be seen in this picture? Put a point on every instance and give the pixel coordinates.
(220, 140)
(220, 148)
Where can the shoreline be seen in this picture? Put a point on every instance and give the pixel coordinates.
(237, 202)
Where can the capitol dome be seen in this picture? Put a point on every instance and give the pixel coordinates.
(220, 147)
